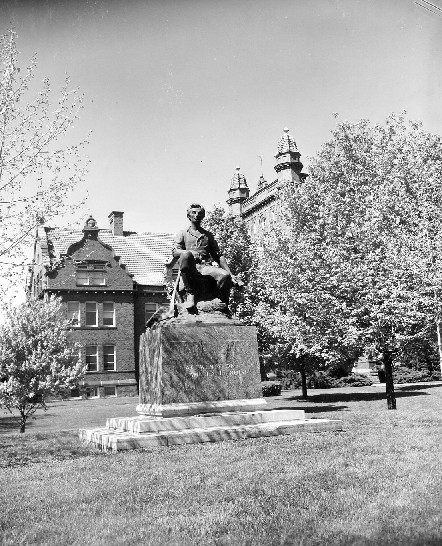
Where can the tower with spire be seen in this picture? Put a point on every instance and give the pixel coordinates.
(238, 192)
(260, 209)
(288, 164)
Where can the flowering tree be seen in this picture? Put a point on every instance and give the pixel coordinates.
(299, 298)
(386, 179)
(37, 168)
(234, 241)
(358, 261)
(36, 357)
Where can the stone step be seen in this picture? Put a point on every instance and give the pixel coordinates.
(195, 408)
(143, 425)
(109, 440)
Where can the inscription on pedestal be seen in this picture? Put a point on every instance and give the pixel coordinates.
(195, 363)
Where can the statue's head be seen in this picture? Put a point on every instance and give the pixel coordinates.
(196, 212)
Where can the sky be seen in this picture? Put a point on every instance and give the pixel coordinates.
(180, 92)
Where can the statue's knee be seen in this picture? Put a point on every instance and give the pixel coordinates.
(185, 258)
(225, 280)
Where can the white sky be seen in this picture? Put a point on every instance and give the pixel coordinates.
(180, 92)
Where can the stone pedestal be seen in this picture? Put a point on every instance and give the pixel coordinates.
(199, 362)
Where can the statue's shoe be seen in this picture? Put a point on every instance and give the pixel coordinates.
(190, 301)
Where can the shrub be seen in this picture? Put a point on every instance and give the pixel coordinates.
(407, 375)
(356, 380)
(271, 388)
(290, 379)
(323, 380)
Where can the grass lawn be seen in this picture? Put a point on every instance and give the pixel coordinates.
(378, 482)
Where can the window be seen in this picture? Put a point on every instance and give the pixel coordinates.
(92, 392)
(109, 358)
(149, 309)
(82, 278)
(74, 313)
(91, 313)
(92, 358)
(91, 275)
(110, 391)
(108, 313)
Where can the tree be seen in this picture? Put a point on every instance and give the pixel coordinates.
(38, 168)
(362, 245)
(37, 359)
(298, 295)
(389, 176)
(234, 241)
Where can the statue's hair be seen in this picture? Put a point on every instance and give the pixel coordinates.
(195, 206)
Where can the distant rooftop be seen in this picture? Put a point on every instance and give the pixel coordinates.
(143, 254)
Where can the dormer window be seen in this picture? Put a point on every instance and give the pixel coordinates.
(91, 275)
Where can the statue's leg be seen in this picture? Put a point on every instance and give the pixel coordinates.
(223, 281)
(188, 270)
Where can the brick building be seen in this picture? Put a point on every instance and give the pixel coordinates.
(111, 282)
(261, 209)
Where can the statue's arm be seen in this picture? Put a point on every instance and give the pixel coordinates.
(179, 245)
(223, 264)
(216, 254)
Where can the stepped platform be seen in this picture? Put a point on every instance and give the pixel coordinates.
(146, 432)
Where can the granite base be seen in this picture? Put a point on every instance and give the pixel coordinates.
(182, 363)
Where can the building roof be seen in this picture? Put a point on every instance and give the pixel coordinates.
(143, 254)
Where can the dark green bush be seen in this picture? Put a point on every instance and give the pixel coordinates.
(355, 380)
(408, 375)
(290, 379)
(323, 380)
(271, 388)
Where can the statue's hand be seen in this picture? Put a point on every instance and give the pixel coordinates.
(197, 256)
(237, 283)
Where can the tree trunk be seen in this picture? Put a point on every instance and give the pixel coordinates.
(387, 360)
(304, 382)
(439, 343)
(22, 422)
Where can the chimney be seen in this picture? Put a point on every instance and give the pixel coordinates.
(116, 222)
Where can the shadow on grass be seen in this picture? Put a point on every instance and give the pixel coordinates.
(9, 424)
(416, 387)
(310, 409)
(331, 398)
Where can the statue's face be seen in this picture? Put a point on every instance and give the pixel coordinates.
(195, 214)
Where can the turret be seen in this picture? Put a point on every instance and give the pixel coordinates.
(288, 163)
(238, 192)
